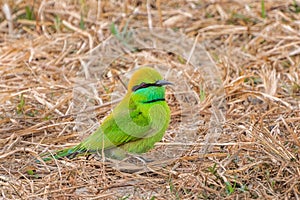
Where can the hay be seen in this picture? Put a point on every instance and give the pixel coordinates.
(46, 46)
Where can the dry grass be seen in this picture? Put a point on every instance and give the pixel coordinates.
(55, 88)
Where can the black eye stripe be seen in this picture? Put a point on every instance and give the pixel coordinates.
(144, 85)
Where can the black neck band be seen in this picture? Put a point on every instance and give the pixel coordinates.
(155, 100)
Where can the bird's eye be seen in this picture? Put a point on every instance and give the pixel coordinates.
(143, 85)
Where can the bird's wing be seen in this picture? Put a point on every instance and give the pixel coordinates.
(120, 127)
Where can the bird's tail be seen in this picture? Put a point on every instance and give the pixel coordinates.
(65, 153)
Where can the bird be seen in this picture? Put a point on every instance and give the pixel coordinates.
(135, 124)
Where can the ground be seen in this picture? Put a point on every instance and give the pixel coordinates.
(234, 131)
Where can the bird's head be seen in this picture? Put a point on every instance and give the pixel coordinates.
(146, 85)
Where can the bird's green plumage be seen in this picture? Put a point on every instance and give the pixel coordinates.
(137, 122)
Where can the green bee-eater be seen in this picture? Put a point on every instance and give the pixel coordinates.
(136, 123)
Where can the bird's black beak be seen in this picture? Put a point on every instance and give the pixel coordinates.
(163, 82)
